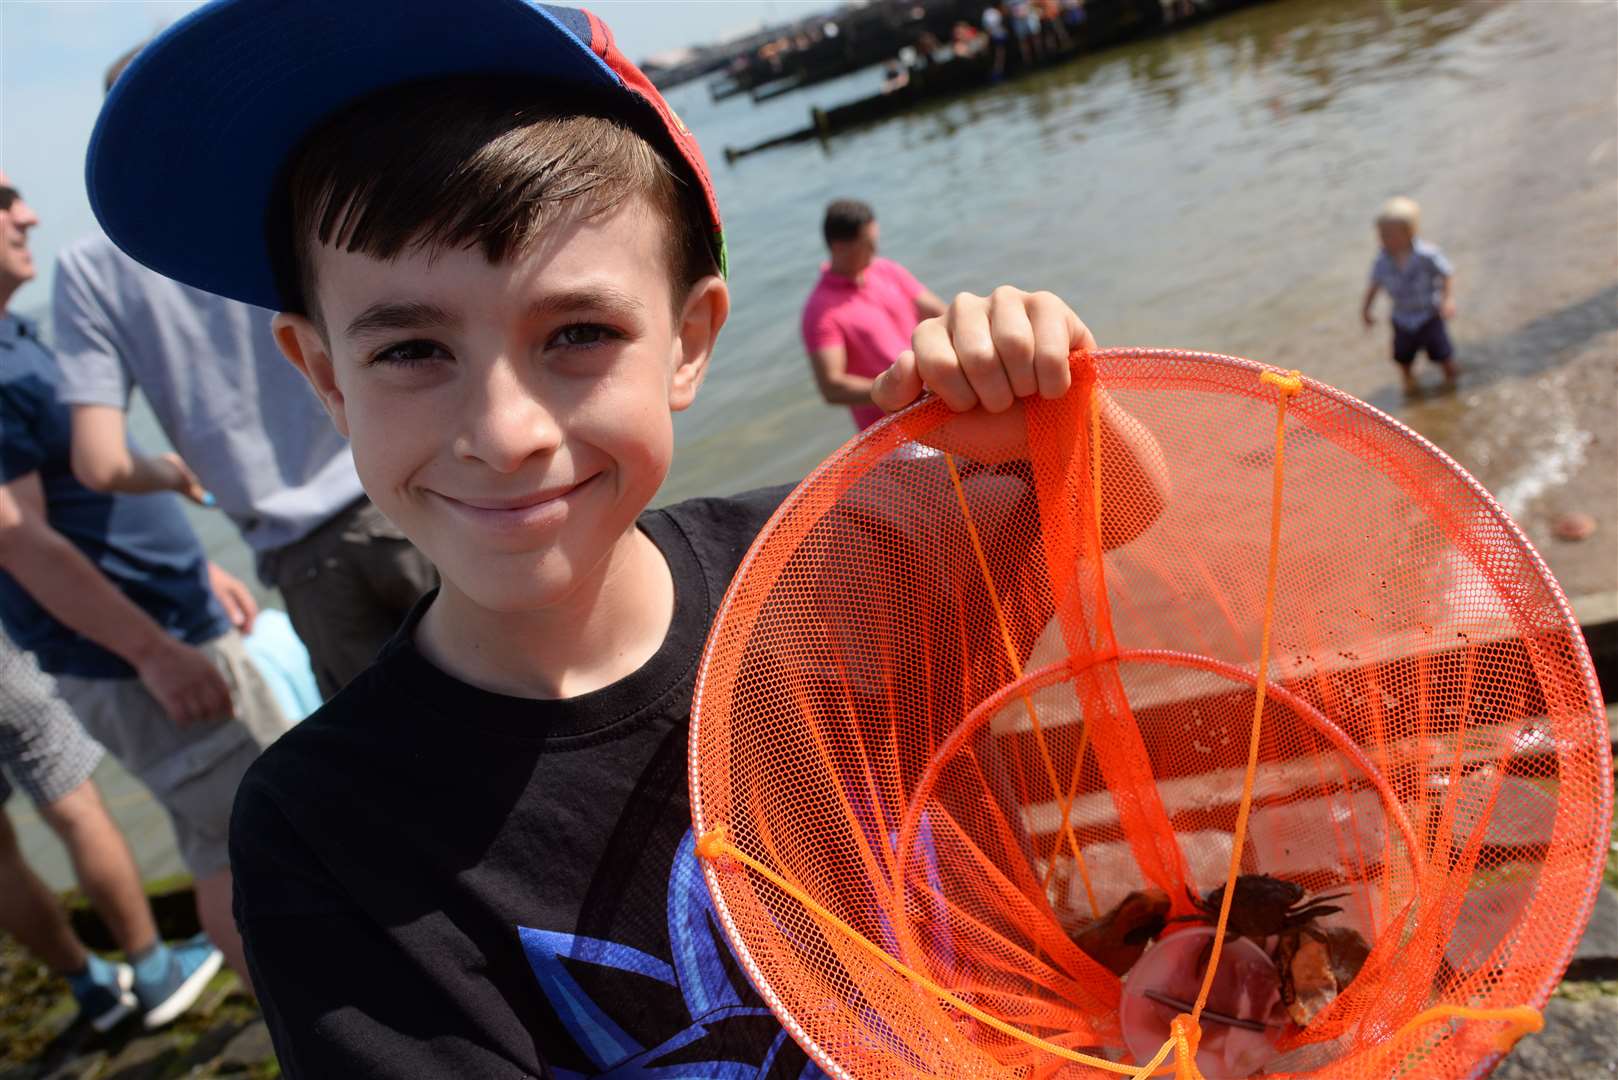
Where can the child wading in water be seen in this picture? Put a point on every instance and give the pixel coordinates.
(1420, 281)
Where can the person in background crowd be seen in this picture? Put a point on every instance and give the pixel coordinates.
(250, 434)
(928, 48)
(895, 76)
(45, 752)
(1421, 283)
(1073, 19)
(1051, 24)
(113, 595)
(1024, 19)
(966, 40)
(861, 312)
(994, 25)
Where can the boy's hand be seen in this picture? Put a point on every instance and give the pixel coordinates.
(1447, 309)
(1367, 318)
(987, 351)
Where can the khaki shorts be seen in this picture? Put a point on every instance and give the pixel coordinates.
(193, 772)
(348, 587)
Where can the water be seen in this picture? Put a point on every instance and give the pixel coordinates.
(1209, 189)
(1214, 189)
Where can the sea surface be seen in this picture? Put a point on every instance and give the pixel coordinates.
(1212, 188)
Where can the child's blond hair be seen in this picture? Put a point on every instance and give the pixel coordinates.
(1399, 210)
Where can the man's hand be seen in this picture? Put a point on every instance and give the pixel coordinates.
(236, 598)
(184, 481)
(103, 461)
(987, 351)
(186, 683)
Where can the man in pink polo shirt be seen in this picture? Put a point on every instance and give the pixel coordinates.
(860, 315)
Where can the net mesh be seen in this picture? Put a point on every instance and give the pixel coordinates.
(983, 678)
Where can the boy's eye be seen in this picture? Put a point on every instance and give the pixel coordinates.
(407, 353)
(583, 335)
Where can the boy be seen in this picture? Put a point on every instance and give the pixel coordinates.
(476, 860)
(1420, 281)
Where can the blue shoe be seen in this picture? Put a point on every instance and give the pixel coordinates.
(178, 983)
(103, 993)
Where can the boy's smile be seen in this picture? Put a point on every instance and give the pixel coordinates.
(513, 419)
(517, 512)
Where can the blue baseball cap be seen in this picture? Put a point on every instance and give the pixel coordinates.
(187, 156)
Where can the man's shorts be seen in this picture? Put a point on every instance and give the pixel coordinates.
(43, 748)
(347, 587)
(193, 772)
(1430, 337)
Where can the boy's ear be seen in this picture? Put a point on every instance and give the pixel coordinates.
(302, 343)
(704, 314)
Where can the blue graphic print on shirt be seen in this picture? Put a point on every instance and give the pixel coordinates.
(701, 972)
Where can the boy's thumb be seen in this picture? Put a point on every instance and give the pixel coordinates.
(899, 385)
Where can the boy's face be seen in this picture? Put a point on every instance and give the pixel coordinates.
(1395, 236)
(511, 419)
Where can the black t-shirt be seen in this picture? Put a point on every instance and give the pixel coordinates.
(436, 880)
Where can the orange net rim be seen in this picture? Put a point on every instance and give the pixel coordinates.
(1594, 708)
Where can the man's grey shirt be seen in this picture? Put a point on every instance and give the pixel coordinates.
(240, 415)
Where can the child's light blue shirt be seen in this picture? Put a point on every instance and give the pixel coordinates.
(1417, 288)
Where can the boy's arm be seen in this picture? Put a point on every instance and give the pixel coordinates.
(1365, 305)
(103, 460)
(1446, 302)
(69, 586)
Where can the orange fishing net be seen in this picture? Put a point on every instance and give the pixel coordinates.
(999, 708)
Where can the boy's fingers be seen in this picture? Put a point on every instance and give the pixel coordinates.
(1012, 372)
(936, 343)
(1057, 332)
(899, 385)
(1055, 379)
